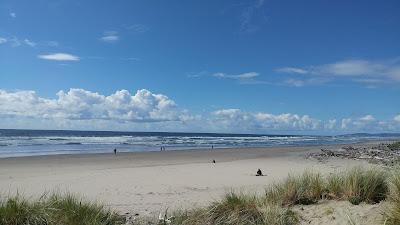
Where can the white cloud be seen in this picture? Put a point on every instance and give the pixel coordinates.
(16, 42)
(138, 28)
(29, 42)
(248, 75)
(59, 57)
(79, 104)
(367, 118)
(305, 82)
(367, 123)
(13, 14)
(358, 70)
(237, 119)
(295, 82)
(83, 109)
(291, 70)
(3, 40)
(110, 37)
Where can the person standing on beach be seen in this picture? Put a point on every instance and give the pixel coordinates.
(115, 151)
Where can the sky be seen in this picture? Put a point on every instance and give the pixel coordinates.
(242, 66)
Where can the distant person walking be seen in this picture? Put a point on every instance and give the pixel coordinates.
(212, 146)
(115, 151)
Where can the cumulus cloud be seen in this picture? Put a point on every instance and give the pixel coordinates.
(236, 118)
(367, 118)
(367, 123)
(79, 104)
(110, 37)
(59, 57)
(357, 70)
(84, 108)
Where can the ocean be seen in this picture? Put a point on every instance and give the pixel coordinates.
(16, 143)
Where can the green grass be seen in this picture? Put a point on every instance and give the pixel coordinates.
(55, 209)
(304, 189)
(394, 146)
(237, 209)
(365, 185)
(356, 185)
(392, 211)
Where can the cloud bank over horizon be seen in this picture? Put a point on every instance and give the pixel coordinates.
(83, 109)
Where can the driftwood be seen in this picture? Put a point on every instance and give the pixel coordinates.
(380, 153)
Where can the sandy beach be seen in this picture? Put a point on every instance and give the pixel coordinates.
(149, 182)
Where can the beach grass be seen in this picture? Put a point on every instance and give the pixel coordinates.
(302, 189)
(392, 210)
(237, 209)
(355, 185)
(394, 145)
(55, 209)
(365, 185)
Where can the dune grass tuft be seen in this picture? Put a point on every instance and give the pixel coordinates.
(392, 210)
(237, 209)
(55, 209)
(356, 185)
(394, 146)
(304, 189)
(365, 185)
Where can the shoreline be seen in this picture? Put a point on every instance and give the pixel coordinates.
(83, 155)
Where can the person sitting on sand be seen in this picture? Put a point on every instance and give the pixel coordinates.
(259, 173)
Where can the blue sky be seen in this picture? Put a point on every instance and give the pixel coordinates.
(262, 66)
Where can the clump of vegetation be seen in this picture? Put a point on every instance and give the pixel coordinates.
(55, 209)
(334, 186)
(393, 209)
(237, 209)
(394, 146)
(304, 189)
(356, 185)
(365, 185)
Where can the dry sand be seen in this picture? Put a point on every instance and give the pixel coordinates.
(149, 182)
